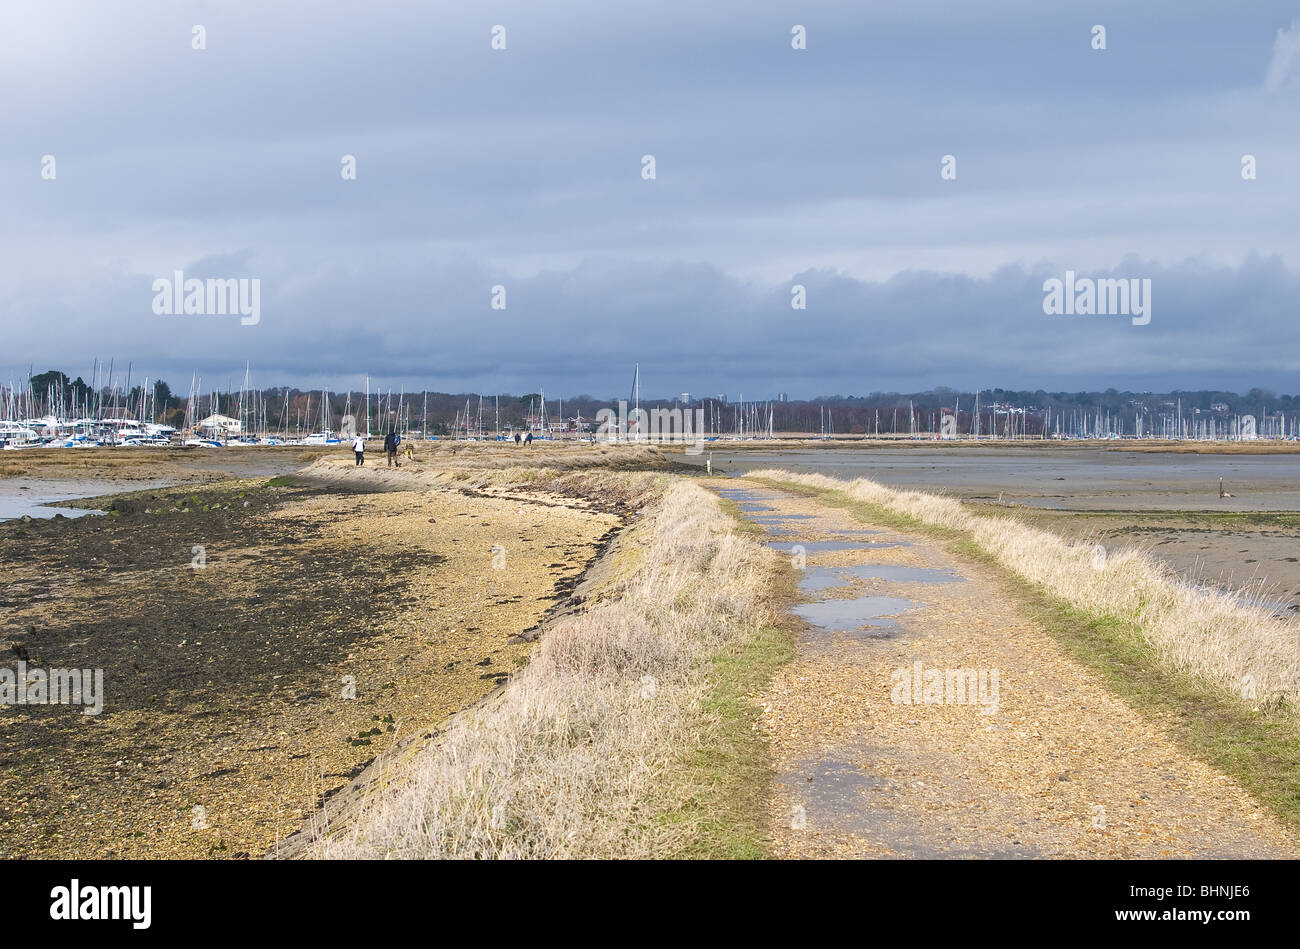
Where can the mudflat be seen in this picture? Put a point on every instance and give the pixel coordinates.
(261, 641)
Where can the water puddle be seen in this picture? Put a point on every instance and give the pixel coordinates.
(778, 518)
(741, 494)
(856, 615)
(822, 546)
(816, 579)
(832, 794)
(824, 578)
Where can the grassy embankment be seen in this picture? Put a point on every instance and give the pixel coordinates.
(1222, 674)
(630, 732)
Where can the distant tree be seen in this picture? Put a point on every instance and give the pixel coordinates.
(51, 377)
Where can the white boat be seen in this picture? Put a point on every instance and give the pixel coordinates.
(17, 435)
(82, 441)
(325, 436)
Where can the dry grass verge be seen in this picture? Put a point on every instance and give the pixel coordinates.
(580, 754)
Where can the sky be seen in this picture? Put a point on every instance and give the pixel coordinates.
(774, 167)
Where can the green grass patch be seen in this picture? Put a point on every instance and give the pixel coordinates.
(733, 771)
(1261, 749)
(743, 524)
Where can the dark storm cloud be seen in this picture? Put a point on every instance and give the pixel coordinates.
(775, 167)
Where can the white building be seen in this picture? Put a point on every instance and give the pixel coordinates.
(221, 423)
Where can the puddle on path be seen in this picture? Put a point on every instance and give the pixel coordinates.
(825, 578)
(741, 494)
(821, 546)
(864, 614)
(832, 794)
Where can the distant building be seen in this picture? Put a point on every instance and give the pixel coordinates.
(1219, 408)
(221, 423)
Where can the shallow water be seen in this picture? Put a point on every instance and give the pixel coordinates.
(821, 546)
(31, 504)
(1070, 478)
(825, 578)
(850, 616)
(833, 793)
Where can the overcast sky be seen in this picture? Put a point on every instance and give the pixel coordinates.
(522, 167)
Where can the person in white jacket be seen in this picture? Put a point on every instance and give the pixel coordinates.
(359, 446)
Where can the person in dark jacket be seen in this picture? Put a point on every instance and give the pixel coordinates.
(391, 441)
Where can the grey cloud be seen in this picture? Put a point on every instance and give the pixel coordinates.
(775, 167)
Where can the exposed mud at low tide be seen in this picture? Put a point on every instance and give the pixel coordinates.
(232, 622)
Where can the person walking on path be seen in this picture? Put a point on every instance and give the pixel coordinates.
(391, 441)
(359, 446)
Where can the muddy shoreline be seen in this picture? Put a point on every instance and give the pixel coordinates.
(341, 805)
(226, 720)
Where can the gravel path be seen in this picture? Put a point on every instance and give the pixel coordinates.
(1036, 759)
